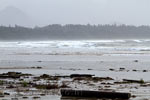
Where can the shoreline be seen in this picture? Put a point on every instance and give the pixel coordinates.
(59, 63)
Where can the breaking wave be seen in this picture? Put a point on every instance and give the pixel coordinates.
(117, 45)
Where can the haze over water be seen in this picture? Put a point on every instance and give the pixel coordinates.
(45, 12)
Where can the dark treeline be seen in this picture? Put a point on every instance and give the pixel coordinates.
(74, 32)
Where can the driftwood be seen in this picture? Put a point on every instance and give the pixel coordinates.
(134, 81)
(94, 94)
(80, 75)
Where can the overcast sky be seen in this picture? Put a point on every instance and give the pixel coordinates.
(133, 12)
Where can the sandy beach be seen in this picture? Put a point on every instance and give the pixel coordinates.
(55, 60)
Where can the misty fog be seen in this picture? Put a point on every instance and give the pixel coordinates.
(44, 12)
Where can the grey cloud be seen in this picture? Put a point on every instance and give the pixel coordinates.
(135, 12)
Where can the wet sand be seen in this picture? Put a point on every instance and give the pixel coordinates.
(100, 66)
(118, 65)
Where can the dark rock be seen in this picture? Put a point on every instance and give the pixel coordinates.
(102, 78)
(39, 67)
(136, 61)
(107, 86)
(145, 70)
(42, 94)
(90, 69)
(5, 93)
(134, 70)
(112, 69)
(80, 75)
(122, 69)
(36, 97)
(133, 96)
(44, 76)
(25, 97)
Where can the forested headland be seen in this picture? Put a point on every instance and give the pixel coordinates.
(74, 32)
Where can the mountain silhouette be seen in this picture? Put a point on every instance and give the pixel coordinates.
(14, 16)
